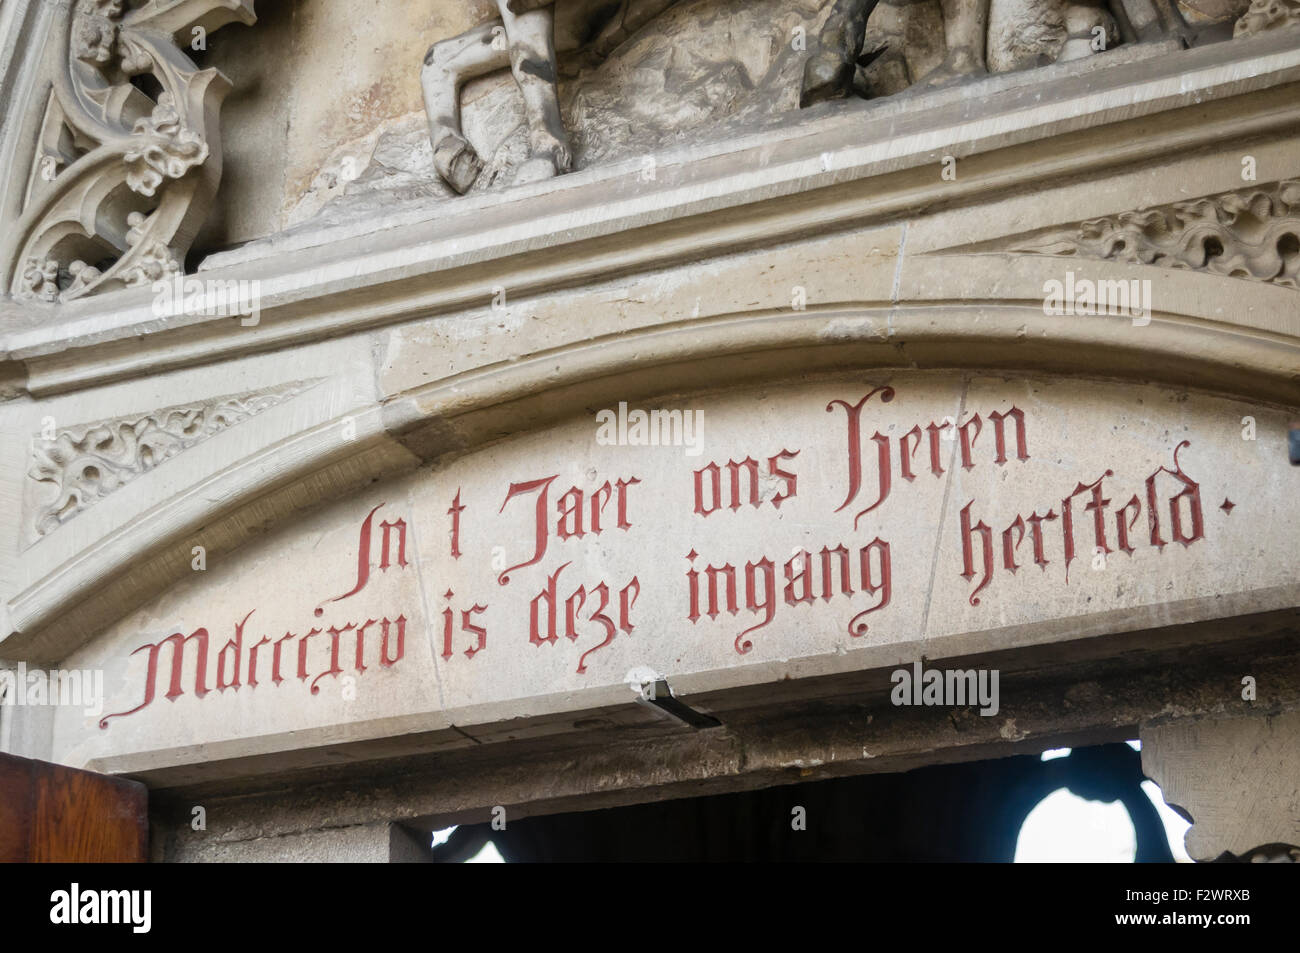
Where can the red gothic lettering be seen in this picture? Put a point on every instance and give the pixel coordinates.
(710, 501)
(1097, 505)
(623, 486)
(387, 527)
(237, 643)
(693, 578)
(905, 453)
(447, 616)
(599, 498)
(548, 596)
(363, 550)
(750, 466)
(569, 525)
(1008, 548)
(401, 641)
(728, 573)
(572, 606)
(174, 691)
(760, 596)
(361, 642)
(1124, 526)
(846, 587)
(768, 605)
(454, 511)
(627, 597)
(302, 654)
(968, 441)
(1000, 437)
(933, 429)
(714, 502)
(604, 621)
(791, 481)
(392, 650)
(252, 661)
(858, 625)
(335, 634)
(803, 578)
(968, 559)
(467, 625)
(363, 557)
(542, 487)
(1191, 492)
(1036, 531)
(275, 656)
(854, 414)
(569, 509)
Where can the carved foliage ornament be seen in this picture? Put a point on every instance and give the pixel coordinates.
(83, 464)
(1250, 233)
(1265, 15)
(121, 181)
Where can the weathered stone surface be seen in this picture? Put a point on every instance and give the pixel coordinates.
(770, 268)
(530, 578)
(1236, 779)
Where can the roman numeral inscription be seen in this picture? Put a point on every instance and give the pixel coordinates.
(729, 548)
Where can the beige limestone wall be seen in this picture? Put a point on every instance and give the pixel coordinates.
(314, 80)
(914, 581)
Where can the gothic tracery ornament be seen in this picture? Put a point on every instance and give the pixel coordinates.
(83, 464)
(1265, 15)
(1250, 233)
(121, 181)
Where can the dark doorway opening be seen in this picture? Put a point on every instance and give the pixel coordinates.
(969, 812)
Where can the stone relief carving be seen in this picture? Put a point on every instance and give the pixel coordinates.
(122, 181)
(86, 463)
(597, 81)
(1251, 233)
(530, 33)
(936, 42)
(1265, 15)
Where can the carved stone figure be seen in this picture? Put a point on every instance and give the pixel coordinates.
(937, 42)
(529, 35)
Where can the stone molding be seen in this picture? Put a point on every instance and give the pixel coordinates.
(806, 180)
(86, 463)
(448, 417)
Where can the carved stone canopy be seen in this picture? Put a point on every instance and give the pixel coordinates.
(122, 178)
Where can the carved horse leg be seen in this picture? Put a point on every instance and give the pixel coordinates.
(829, 71)
(447, 65)
(965, 31)
(531, 36)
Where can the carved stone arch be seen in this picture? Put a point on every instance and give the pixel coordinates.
(998, 325)
(832, 254)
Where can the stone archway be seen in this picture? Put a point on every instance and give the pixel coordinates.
(420, 459)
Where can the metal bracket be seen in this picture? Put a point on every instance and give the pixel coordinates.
(653, 689)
